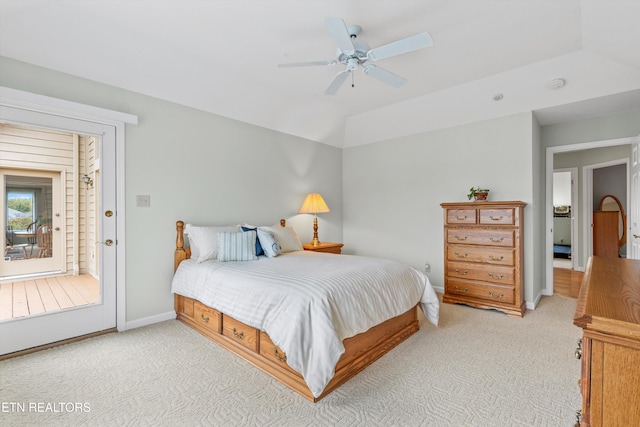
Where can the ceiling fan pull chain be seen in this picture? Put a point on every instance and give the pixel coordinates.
(353, 83)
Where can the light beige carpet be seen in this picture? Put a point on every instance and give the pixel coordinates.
(478, 368)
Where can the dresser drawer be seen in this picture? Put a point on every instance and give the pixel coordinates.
(239, 332)
(461, 216)
(490, 255)
(484, 291)
(504, 216)
(479, 236)
(486, 273)
(207, 317)
(272, 352)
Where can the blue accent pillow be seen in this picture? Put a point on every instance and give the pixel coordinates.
(259, 250)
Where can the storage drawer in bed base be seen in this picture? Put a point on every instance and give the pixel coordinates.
(360, 351)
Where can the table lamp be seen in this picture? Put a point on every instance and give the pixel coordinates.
(314, 204)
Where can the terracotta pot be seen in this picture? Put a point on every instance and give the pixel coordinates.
(481, 196)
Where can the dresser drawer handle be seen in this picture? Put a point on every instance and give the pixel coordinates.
(578, 352)
(239, 335)
(461, 256)
(496, 218)
(496, 296)
(464, 273)
(282, 358)
(461, 218)
(463, 290)
(203, 318)
(493, 239)
(497, 276)
(461, 238)
(491, 257)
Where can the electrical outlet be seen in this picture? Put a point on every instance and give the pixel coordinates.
(427, 268)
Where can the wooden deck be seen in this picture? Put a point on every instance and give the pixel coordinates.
(29, 297)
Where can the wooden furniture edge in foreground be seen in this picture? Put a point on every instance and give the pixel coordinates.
(608, 311)
(360, 351)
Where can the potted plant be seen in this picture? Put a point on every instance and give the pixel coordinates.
(478, 193)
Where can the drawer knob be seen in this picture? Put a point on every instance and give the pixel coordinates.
(463, 290)
(461, 218)
(239, 335)
(496, 218)
(461, 256)
(493, 239)
(461, 238)
(204, 318)
(282, 358)
(464, 273)
(496, 296)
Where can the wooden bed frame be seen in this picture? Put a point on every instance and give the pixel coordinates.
(257, 348)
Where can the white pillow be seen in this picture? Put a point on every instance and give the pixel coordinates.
(286, 237)
(237, 246)
(269, 244)
(203, 240)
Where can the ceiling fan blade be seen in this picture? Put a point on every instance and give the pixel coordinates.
(384, 76)
(399, 47)
(337, 82)
(338, 30)
(307, 64)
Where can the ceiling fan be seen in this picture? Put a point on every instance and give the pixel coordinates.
(353, 54)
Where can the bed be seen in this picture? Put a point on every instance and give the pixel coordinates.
(311, 320)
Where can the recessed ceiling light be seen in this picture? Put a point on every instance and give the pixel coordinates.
(498, 97)
(555, 84)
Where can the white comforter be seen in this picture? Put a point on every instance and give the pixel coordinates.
(309, 302)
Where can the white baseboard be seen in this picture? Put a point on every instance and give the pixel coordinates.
(531, 305)
(170, 315)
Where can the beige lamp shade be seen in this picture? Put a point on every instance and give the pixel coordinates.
(314, 204)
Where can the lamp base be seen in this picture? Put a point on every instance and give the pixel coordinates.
(315, 242)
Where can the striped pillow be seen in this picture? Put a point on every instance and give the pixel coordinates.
(238, 246)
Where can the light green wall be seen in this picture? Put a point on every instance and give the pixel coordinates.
(384, 197)
(393, 189)
(197, 167)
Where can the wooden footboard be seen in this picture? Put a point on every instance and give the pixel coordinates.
(257, 348)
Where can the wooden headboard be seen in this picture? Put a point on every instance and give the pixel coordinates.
(181, 253)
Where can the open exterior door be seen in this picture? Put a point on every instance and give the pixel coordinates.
(21, 333)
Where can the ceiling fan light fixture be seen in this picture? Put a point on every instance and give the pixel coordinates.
(353, 53)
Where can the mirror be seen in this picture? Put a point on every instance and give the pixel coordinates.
(611, 203)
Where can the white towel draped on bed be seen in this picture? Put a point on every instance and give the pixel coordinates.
(309, 302)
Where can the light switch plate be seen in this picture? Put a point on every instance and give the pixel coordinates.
(143, 201)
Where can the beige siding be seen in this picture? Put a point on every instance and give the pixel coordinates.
(38, 149)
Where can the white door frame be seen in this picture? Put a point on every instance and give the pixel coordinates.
(58, 107)
(550, 151)
(587, 198)
(575, 237)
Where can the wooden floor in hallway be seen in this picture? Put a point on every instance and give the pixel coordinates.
(566, 282)
(37, 296)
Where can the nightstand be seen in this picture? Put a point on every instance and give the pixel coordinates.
(332, 248)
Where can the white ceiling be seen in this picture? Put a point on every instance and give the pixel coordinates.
(221, 55)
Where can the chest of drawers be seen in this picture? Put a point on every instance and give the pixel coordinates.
(483, 248)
